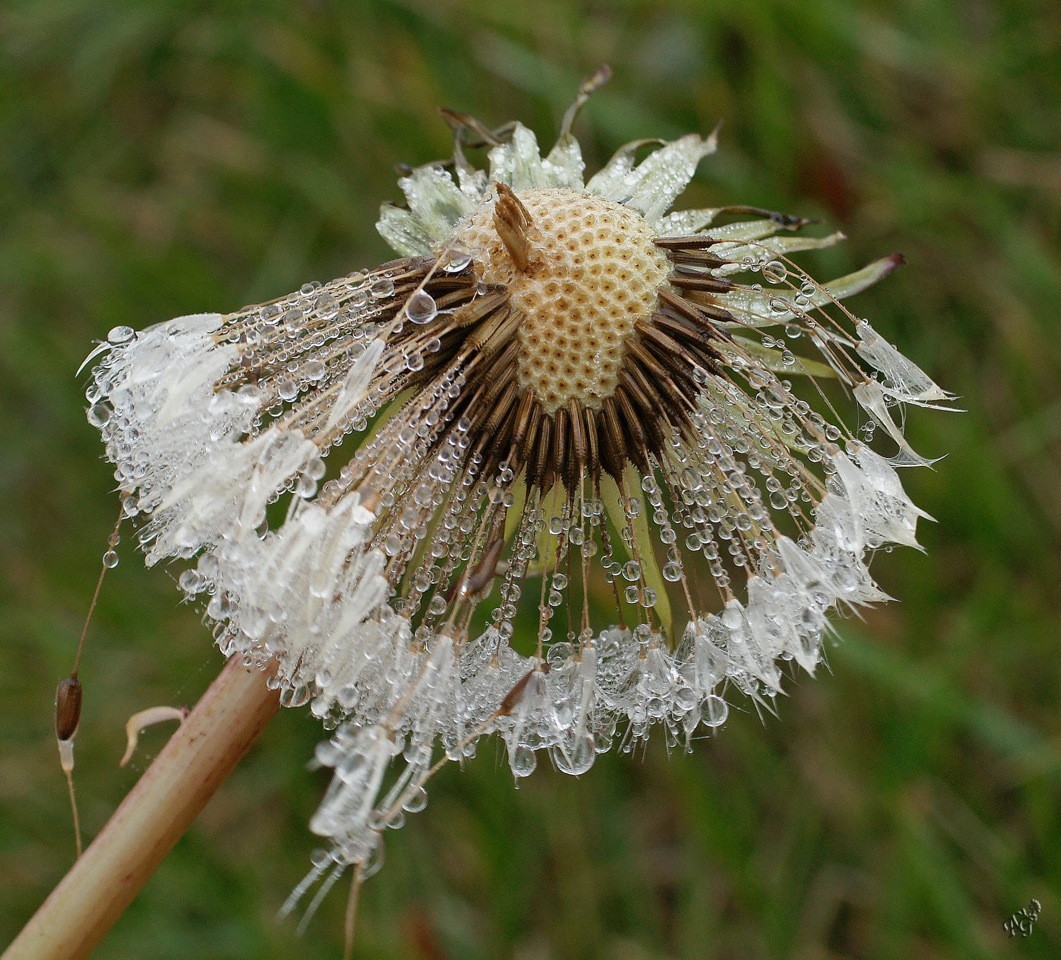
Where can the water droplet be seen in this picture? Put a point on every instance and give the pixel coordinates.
(287, 389)
(381, 289)
(190, 582)
(458, 260)
(522, 761)
(713, 711)
(325, 305)
(437, 607)
(110, 559)
(416, 801)
(775, 271)
(99, 414)
(577, 757)
(120, 335)
(421, 307)
(313, 370)
(295, 696)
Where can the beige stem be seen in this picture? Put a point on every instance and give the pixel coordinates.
(157, 811)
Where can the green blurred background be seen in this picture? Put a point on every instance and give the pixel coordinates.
(160, 158)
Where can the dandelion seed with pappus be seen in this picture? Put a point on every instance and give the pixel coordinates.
(560, 392)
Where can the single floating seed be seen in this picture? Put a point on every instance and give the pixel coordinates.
(67, 708)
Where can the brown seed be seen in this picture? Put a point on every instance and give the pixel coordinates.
(511, 220)
(67, 708)
(696, 281)
(513, 697)
(480, 576)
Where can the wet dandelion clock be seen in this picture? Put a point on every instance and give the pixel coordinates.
(564, 405)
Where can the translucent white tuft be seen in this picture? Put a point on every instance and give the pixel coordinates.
(904, 381)
(357, 382)
(175, 440)
(305, 594)
(579, 702)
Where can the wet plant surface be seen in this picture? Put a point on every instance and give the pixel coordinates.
(159, 161)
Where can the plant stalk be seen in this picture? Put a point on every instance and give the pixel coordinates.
(154, 815)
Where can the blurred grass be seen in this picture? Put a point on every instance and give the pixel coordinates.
(160, 158)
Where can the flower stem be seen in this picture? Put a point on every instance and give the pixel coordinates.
(153, 816)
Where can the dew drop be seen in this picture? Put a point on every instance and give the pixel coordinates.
(325, 305)
(672, 572)
(578, 757)
(415, 802)
(99, 414)
(120, 335)
(295, 696)
(457, 261)
(381, 289)
(522, 761)
(713, 711)
(775, 271)
(110, 559)
(190, 581)
(421, 307)
(437, 607)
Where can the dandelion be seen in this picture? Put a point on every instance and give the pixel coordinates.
(562, 404)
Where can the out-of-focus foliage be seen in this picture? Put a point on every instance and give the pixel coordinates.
(160, 158)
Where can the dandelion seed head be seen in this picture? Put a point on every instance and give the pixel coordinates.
(416, 487)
